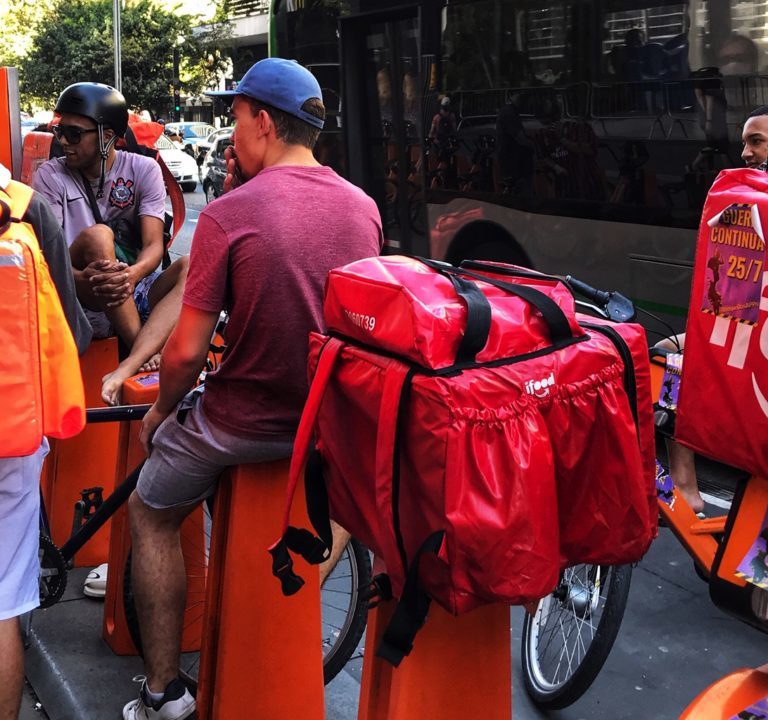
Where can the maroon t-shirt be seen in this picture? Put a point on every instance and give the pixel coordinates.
(262, 252)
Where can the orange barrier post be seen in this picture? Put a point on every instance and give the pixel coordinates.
(10, 130)
(84, 461)
(459, 667)
(262, 653)
(138, 390)
(729, 696)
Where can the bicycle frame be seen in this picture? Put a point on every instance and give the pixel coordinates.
(718, 558)
(121, 493)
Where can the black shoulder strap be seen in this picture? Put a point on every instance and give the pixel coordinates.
(91, 199)
(411, 610)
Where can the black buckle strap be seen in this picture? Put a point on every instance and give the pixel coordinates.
(411, 612)
(282, 569)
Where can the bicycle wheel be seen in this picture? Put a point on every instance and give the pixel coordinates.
(567, 640)
(344, 609)
(343, 613)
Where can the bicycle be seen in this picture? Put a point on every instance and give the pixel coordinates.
(553, 685)
(568, 635)
(343, 597)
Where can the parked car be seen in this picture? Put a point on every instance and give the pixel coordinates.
(191, 133)
(214, 168)
(181, 165)
(205, 145)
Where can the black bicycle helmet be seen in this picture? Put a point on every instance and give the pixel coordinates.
(101, 103)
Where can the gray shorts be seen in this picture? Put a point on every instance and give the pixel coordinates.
(188, 455)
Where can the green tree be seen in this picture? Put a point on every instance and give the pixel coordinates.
(74, 43)
(17, 17)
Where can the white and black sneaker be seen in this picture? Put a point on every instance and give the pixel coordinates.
(177, 703)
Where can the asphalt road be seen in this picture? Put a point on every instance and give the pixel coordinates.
(195, 202)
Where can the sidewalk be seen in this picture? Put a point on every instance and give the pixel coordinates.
(672, 644)
(77, 677)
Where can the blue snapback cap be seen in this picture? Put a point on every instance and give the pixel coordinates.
(281, 83)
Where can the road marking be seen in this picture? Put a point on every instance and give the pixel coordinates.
(716, 501)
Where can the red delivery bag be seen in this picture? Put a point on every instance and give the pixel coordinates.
(481, 448)
(723, 404)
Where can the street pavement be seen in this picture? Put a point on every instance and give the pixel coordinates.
(672, 644)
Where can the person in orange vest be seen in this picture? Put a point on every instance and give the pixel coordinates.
(20, 476)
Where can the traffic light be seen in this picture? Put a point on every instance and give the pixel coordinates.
(177, 104)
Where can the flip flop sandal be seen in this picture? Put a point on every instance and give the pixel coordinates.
(96, 582)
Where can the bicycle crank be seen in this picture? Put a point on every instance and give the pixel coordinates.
(53, 572)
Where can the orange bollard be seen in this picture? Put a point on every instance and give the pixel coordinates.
(138, 390)
(262, 653)
(84, 461)
(459, 667)
(729, 696)
(10, 131)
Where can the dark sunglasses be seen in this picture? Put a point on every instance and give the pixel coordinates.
(72, 133)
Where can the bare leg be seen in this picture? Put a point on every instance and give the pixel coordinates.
(97, 243)
(165, 300)
(11, 669)
(682, 470)
(160, 587)
(340, 539)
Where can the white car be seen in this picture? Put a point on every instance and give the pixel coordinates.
(182, 166)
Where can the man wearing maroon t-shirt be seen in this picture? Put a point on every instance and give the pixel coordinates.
(262, 252)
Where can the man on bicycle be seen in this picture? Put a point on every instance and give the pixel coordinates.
(262, 252)
(111, 206)
(682, 468)
(20, 476)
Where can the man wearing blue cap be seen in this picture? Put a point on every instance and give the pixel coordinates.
(262, 252)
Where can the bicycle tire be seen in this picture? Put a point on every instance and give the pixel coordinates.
(565, 611)
(358, 573)
(354, 567)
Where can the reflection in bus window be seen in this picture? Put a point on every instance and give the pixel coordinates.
(571, 118)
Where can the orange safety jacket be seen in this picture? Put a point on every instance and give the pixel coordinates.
(40, 382)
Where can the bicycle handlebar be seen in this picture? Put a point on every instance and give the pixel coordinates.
(614, 305)
(116, 414)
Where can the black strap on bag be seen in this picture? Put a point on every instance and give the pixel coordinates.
(478, 319)
(510, 271)
(412, 608)
(91, 200)
(553, 315)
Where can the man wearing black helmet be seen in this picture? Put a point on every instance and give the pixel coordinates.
(112, 207)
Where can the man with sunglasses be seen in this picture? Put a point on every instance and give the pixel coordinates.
(111, 206)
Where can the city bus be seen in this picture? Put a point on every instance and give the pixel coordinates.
(575, 137)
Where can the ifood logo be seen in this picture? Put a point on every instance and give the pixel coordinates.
(540, 388)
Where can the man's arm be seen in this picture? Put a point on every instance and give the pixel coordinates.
(183, 357)
(51, 238)
(151, 253)
(151, 211)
